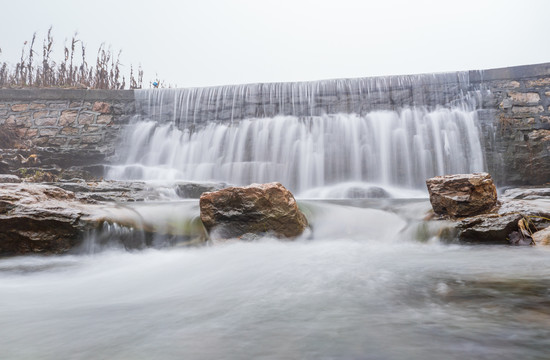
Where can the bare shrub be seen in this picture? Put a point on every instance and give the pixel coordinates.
(70, 73)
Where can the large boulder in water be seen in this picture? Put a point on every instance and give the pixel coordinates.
(462, 195)
(257, 209)
(39, 219)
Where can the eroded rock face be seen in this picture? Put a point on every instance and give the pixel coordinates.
(255, 209)
(462, 195)
(38, 219)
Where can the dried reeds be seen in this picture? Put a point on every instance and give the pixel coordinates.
(69, 72)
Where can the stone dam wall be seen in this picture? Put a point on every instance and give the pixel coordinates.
(515, 121)
(63, 128)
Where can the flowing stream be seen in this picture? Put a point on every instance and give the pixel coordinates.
(370, 280)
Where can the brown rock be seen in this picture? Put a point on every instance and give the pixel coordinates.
(527, 109)
(37, 218)
(102, 107)
(20, 107)
(539, 82)
(104, 119)
(20, 120)
(41, 141)
(32, 133)
(68, 117)
(58, 106)
(70, 130)
(86, 119)
(542, 237)
(21, 132)
(46, 121)
(255, 209)
(462, 195)
(40, 114)
(57, 141)
(507, 84)
(491, 228)
(530, 98)
(541, 135)
(91, 139)
(501, 224)
(90, 129)
(11, 121)
(48, 132)
(36, 106)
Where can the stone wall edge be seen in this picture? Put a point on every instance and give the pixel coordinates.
(37, 94)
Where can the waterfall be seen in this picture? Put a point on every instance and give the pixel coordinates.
(391, 131)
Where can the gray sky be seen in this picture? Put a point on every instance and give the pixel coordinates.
(215, 42)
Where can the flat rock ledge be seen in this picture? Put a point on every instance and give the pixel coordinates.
(37, 218)
(237, 212)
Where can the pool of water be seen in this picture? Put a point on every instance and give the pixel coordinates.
(360, 285)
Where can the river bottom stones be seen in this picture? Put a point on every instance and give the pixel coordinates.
(256, 209)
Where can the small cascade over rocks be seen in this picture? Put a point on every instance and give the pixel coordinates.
(389, 131)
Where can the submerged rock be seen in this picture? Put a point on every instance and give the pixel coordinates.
(462, 195)
(189, 190)
(257, 209)
(371, 192)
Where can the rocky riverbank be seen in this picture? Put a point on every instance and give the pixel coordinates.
(468, 202)
(56, 217)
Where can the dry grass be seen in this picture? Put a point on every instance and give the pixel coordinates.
(72, 72)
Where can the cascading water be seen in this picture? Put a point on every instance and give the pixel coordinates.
(370, 280)
(394, 131)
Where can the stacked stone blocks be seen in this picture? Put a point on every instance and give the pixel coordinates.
(63, 124)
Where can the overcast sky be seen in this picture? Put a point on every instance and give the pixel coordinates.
(216, 42)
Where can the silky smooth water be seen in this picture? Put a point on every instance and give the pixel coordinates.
(369, 280)
(387, 148)
(389, 131)
(361, 286)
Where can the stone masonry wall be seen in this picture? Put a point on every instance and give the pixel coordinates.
(516, 124)
(63, 127)
(66, 128)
